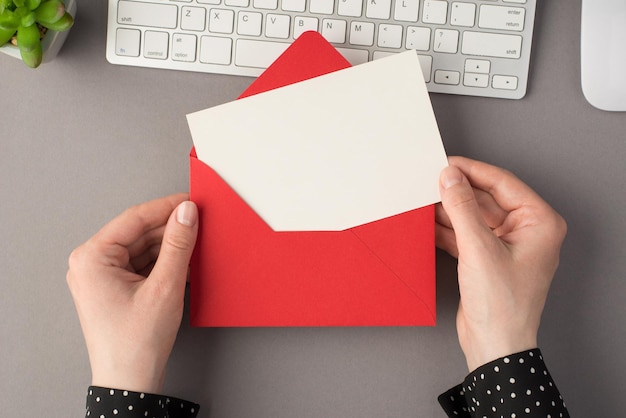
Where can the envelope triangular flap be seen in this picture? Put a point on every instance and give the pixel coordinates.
(330, 153)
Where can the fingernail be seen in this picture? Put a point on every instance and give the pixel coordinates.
(450, 176)
(187, 213)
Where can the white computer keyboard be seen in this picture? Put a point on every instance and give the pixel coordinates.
(468, 47)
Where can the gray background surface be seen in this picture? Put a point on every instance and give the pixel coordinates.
(81, 140)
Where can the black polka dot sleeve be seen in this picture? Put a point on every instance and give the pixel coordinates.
(516, 386)
(116, 403)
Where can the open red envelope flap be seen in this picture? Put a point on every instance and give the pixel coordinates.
(245, 274)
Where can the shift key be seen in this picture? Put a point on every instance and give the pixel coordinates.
(154, 15)
(491, 45)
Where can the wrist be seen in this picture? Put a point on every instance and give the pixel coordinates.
(132, 382)
(145, 377)
(482, 350)
(481, 357)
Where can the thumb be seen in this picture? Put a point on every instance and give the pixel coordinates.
(179, 238)
(459, 202)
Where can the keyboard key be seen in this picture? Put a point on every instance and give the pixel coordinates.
(501, 17)
(406, 10)
(237, 3)
(334, 30)
(193, 18)
(147, 14)
(352, 8)
(354, 56)
(293, 5)
(476, 80)
(221, 20)
(325, 7)
(447, 77)
(362, 33)
(257, 54)
(435, 11)
(249, 23)
(277, 26)
(214, 50)
(266, 4)
(504, 82)
(389, 36)
(183, 47)
(302, 24)
(491, 45)
(378, 9)
(426, 62)
(463, 14)
(446, 40)
(477, 66)
(155, 44)
(382, 54)
(418, 38)
(127, 42)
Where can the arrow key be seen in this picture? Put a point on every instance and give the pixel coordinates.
(477, 66)
(447, 77)
(504, 82)
(476, 80)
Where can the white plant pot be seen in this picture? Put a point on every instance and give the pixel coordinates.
(51, 43)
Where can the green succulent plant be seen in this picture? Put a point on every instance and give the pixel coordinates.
(24, 21)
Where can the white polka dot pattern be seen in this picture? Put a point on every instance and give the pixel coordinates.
(514, 386)
(109, 403)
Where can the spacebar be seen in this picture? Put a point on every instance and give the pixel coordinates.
(257, 54)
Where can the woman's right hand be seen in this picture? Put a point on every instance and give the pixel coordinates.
(507, 240)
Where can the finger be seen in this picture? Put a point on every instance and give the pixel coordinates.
(133, 223)
(459, 202)
(508, 191)
(441, 217)
(146, 241)
(139, 263)
(491, 212)
(146, 270)
(170, 270)
(446, 240)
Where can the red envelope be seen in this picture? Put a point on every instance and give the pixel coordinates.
(243, 274)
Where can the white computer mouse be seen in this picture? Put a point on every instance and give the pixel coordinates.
(603, 53)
